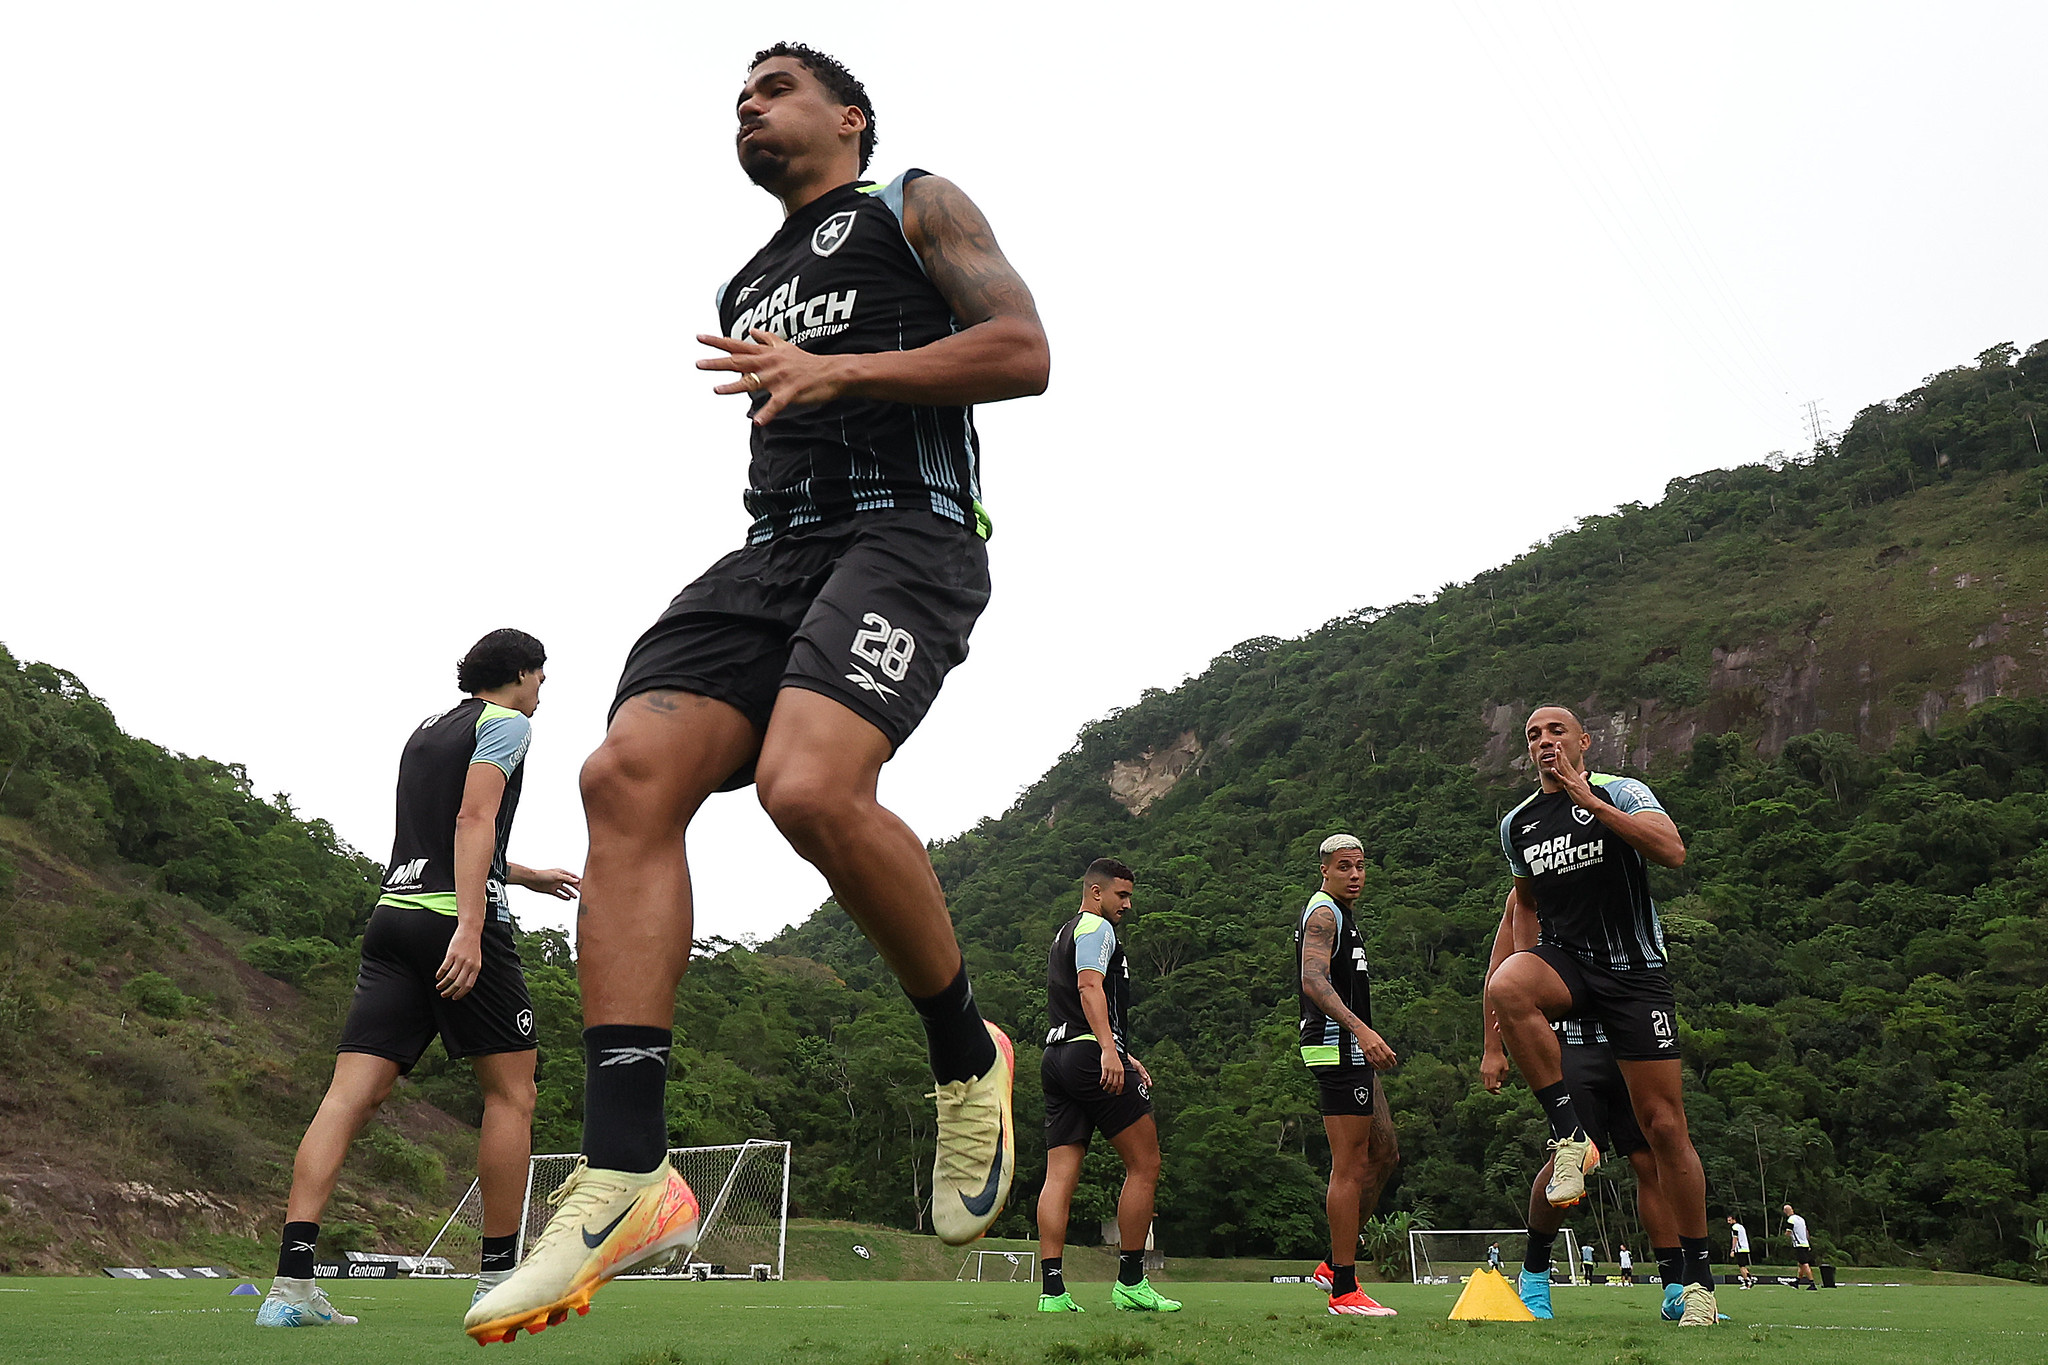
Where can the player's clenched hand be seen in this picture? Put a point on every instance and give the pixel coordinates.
(1377, 1054)
(788, 374)
(458, 970)
(1112, 1071)
(558, 882)
(1494, 1067)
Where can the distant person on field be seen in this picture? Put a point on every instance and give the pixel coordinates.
(1580, 848)
(1738, 1251)
(1094, 1084)
(1493, 1255)
(1604, 1106)
(438, 958)
(1628, 1266)
(1802, 1249)
(1345, 1056)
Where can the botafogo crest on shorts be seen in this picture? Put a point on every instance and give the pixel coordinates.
(397, 1010)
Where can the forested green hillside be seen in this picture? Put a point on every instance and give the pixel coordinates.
(1831, 668)
(1860, 933)
(153, 1081)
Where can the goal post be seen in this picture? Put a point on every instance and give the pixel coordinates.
(742, 1191)
(1009, 1267)
(1443, 1255)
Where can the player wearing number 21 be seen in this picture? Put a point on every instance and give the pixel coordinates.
(1579, 848)
(860, 337)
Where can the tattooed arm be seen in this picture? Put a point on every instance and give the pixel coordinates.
(1318, 941)
(999, 352)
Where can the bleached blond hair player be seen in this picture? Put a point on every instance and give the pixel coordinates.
(1344, 1053)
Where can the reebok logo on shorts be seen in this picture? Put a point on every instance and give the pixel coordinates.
(867, 683)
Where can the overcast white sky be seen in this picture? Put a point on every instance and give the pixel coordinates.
(334, 335)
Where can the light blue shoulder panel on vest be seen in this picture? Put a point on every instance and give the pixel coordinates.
(891, 196)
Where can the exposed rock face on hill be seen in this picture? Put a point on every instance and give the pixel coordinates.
(1828, 679)
(1137, 782)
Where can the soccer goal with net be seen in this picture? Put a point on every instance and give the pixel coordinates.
(742, 1194)
(1444, 1255)
(1020, 1267)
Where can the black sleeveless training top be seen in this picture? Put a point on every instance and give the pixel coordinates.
(1325, 1043)
(840, 278)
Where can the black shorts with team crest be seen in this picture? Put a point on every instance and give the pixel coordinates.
(397, 1011)
(1637, 1007)
(1346, 1092)
(872, 612)
(1076, 1105)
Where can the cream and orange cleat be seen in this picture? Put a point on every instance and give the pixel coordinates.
(1572, 1160)
(605, 1223)
(977, 1148)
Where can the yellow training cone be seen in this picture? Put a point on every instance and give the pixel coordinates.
(1490, 1298)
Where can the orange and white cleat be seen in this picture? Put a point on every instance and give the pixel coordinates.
(1324, 1279)
(1357, 1304)
(605, 1223)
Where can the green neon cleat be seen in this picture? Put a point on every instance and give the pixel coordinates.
(1141, 1298)
(1059, 1303)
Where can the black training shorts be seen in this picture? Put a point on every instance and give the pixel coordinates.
(1601, 1098)
(1076, 1105)
(1636, 1007)
(1345, 1090)
(397, 1011)
(1742, 1259)
(872, 612)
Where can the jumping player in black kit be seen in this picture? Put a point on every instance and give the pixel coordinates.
(1578, 849)
(862, 335)
(1601, 1098)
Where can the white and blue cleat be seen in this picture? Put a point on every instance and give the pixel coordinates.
(298, 1303)
(1534, 1287)
(1674, 1305)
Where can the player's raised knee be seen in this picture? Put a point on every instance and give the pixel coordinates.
(616, 777)
(803, 802)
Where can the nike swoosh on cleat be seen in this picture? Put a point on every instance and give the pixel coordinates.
(595, 1242)
(981, 1203)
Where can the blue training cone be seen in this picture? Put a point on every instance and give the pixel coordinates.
(242, 1289)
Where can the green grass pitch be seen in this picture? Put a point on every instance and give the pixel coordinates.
(73, 1321)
